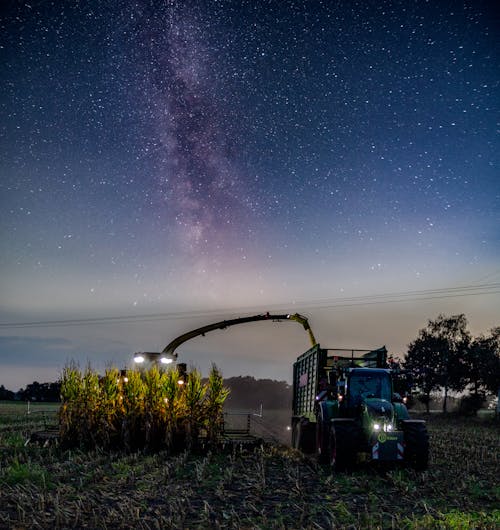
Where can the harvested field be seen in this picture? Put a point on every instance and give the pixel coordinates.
(270, 486)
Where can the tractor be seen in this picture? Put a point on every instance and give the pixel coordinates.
(346, 411)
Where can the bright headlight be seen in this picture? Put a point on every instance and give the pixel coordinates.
(166, 360)
(376, 426)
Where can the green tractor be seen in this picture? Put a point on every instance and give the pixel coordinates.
(346, 411)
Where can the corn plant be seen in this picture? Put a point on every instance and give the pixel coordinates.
(132, 402)
(216, 395)
(194, 398)
(155, 419)
(70, 410)
(175, 411)
(110, 409)
(90, 403)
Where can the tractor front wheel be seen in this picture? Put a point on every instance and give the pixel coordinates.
(416, 445)
(346, 445)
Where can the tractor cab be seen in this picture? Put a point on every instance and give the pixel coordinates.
(363, 384)
(368, 397)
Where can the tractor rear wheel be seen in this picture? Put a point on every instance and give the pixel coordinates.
(416, 445)
(295, 434)
(323, 442)
(347, 438)
(303, 436)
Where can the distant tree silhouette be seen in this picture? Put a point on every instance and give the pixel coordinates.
(438, 357)
(41, 392)
(249, 393)
(6, 395)
(483, 363)
(445, 356)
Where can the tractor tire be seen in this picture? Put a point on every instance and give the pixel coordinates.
(295, 434)
(347, 441)
(303, 436)
(324, 442)
(416, 445)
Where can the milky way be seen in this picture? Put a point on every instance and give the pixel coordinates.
(185, 155)
(200, 185)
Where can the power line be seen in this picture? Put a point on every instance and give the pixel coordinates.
(326, 303)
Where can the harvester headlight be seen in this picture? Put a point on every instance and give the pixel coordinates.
(389, 427)
(139, 358)
(166, 360)
(376, 426)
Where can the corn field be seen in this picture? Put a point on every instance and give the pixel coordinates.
(135, 410)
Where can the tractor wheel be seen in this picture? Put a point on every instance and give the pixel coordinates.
(303, 436)
(347, 438)
(296, 434)
(416, 445)
(323, 442)
(332, 447)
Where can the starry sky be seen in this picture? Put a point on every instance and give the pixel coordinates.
(179, 163)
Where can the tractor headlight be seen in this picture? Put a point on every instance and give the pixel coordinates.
(376, 426)
(389, 427)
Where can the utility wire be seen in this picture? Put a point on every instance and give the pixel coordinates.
(326, 303)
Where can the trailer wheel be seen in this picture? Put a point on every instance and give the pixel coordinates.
(323, 442)
(416, 445)
(304, 436)
(296, 434)
(347, 436)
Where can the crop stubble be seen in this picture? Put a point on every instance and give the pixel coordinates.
(269, 487)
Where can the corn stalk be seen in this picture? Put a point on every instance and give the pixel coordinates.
(214, 403)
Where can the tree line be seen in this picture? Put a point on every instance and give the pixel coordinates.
(445, 357)
(33, 392)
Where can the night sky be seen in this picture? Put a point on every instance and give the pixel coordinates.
(212, 159)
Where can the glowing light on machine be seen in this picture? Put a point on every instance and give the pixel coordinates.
(153, 357)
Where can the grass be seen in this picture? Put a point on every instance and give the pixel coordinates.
(25, 473)
(15, 413)
(272, 486)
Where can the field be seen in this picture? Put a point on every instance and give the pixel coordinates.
(269, 486)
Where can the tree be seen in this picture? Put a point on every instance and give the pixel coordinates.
(249, 393)
(6, 395)
(41, 391)
(483, 366)
(437, 358)
(421, 363)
